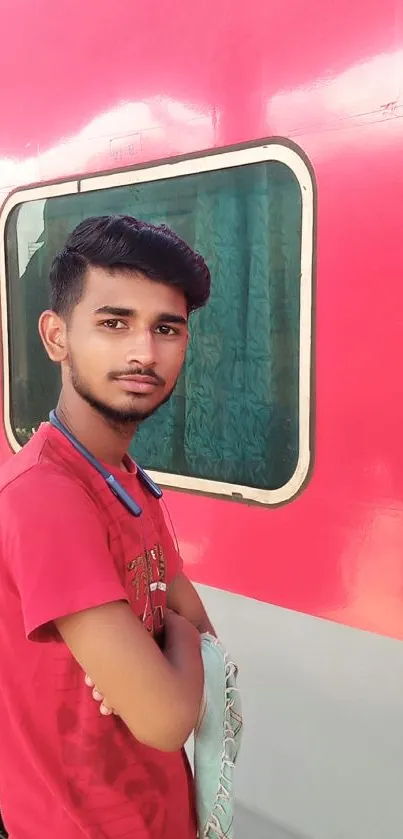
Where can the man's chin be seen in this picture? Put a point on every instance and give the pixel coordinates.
(141, 408)
(133, 412)
(128, 415)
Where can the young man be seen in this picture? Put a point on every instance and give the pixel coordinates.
(84, 584)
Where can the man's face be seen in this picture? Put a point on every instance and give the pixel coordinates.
(126, 341)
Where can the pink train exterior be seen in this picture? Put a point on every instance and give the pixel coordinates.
(308, 594)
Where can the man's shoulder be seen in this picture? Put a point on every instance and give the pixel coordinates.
(37, 467)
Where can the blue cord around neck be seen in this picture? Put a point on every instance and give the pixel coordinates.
(113, 484)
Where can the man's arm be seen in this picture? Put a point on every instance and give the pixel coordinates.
(183, 599)
(157, 695)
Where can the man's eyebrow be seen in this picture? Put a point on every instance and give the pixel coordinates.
(121, 312)
(116, 311)
(170, 317)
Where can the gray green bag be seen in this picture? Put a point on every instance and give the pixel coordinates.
(217, 741)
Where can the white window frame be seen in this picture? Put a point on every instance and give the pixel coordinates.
(211, 162)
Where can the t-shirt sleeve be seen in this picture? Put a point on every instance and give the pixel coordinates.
(55, 545)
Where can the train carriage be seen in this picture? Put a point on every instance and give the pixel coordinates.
(269, 136)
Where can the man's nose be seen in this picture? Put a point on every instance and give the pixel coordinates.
(141, 349)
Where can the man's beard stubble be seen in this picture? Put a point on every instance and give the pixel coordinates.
(114, 416)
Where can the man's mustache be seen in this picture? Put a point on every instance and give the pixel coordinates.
(137, 371)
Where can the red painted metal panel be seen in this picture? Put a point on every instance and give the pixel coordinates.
(91, 87)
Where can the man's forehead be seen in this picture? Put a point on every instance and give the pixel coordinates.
(131, 291)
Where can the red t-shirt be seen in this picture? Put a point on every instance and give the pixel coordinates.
(67, 544)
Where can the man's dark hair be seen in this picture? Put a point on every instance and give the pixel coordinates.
(116, 242)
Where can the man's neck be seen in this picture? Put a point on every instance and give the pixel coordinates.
(106, 441)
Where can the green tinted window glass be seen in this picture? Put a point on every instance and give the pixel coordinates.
(234, 414)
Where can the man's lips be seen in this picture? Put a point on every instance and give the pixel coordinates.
(138, 383)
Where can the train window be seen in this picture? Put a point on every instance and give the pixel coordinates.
(238, 422)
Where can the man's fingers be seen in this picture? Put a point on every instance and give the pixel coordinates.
(104, 708)
(95, 692)
(97, 695)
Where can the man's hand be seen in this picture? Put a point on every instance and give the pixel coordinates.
(177, 628)
(183, 598)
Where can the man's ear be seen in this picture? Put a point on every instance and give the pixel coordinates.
(53, 332)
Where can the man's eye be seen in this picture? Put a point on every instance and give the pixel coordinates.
(113, 323)
(164, 329)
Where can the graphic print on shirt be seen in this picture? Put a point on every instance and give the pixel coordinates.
(148, 582)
